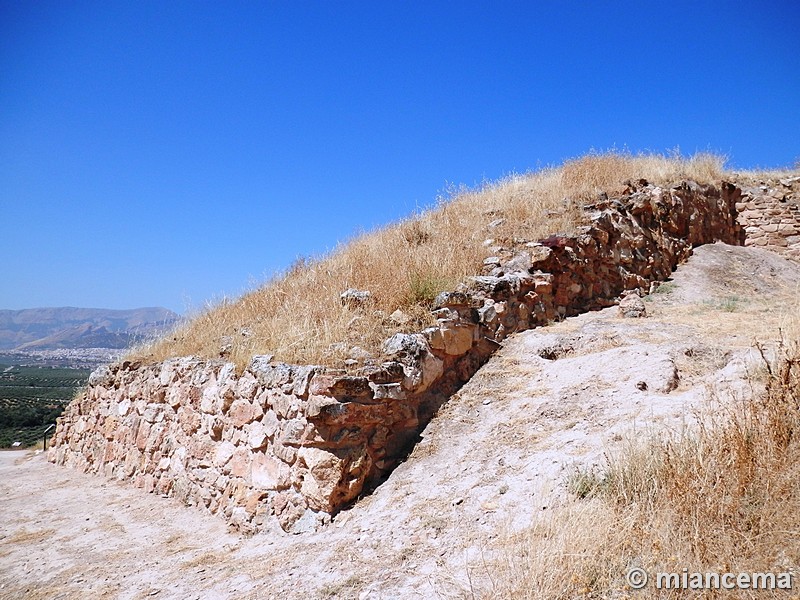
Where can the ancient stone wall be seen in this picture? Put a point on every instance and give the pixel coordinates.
(770, 214)
(298, 443)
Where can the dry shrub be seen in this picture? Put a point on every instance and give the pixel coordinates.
(298, 317)
(734, 488)
(722, 498)
(568, 554)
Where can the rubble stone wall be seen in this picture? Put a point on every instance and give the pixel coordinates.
(770, 215)
(299, 442)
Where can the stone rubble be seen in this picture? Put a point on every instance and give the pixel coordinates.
(632, 306)
(297, 443)
(355, 299)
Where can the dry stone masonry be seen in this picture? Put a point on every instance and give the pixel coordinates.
(297, 443)
(770, 214)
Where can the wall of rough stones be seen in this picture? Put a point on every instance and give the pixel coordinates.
(770, 215)
(298, 442)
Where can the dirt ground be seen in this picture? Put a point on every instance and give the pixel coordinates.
(10, 457)
(498, 455)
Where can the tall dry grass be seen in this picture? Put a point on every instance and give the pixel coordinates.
(722, 498)
(298, 316)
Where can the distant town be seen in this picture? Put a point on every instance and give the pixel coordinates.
(68, 358)
(77, 338)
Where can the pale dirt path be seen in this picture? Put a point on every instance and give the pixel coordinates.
(495, 457)
(9, 457)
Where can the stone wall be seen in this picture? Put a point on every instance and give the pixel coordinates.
(770, 214)
(298, 443)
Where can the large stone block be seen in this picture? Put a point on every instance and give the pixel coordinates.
(323, 473)
(268, 473)
(457, 339)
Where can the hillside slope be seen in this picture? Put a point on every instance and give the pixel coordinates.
(301, 317)
(69, 327)
(497, 458)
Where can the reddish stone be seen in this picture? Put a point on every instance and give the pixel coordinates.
(241, 462)
(240, 413)
(141, 435)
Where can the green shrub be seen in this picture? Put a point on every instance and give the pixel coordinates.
(423, 288)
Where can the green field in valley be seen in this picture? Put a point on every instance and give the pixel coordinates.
(31, 398)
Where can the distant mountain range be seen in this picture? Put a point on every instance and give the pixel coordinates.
(73, 328)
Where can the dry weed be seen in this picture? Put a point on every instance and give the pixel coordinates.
(567, 554)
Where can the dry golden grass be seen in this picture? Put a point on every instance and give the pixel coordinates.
(759, 175)
(722, 498)
(298, 316)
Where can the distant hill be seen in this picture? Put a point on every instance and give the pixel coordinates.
(69, 328)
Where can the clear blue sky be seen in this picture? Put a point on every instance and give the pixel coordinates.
(169, 153)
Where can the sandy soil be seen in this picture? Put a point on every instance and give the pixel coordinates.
(498, 455)
(11, 457)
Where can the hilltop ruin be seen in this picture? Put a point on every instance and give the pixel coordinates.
(300, 442)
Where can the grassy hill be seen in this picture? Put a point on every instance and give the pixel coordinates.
(299, 316)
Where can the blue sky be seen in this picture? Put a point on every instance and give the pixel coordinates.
(170, 153)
